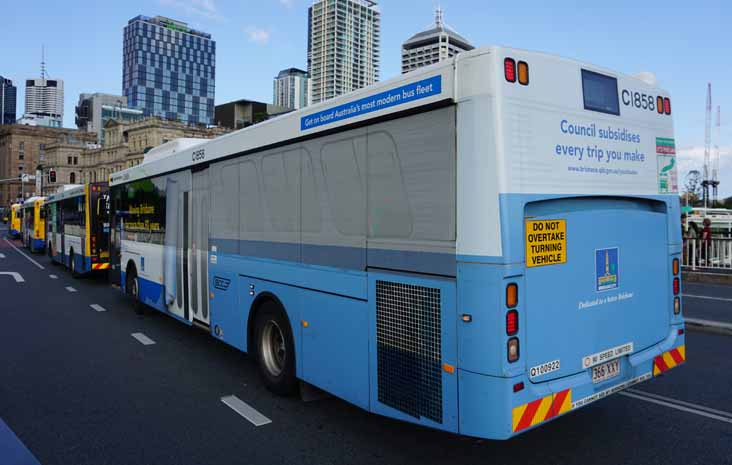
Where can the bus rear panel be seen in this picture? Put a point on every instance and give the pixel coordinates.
(589, 243)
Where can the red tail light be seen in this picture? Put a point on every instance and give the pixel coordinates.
(512, 322)
(667, 105)
(509, 69)
(518, 387)
(676, 286)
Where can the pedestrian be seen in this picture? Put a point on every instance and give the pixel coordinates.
(706, 239)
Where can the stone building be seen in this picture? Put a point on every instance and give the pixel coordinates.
(125, 144)
(23, 149)
(63, 164)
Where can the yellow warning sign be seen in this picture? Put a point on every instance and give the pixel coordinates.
(546, 242)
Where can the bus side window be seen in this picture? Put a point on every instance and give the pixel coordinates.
(344, 186)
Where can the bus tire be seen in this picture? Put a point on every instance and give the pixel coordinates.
(72, 264)
(275, 349)
(132, 288)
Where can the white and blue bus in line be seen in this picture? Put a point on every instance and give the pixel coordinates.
(479, 246)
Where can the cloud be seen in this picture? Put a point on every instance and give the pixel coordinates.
(203, 8)
(287, 3)
(692, 158)
(258, 35)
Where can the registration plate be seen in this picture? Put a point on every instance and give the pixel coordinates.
(606, 371)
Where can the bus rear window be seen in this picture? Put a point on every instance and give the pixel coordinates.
(600, 92)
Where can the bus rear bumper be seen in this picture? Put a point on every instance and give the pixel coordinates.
(37, 245)
(539, 403)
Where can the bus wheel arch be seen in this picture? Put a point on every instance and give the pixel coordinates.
(271, 341)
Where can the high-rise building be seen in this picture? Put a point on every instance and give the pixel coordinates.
(432, 46)
(343, 46)
(8, 97)
(291, 89)
(44, 100)
(169, 70)
(96, 109)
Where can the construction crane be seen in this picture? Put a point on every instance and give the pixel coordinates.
(715, 160)
(707, 180)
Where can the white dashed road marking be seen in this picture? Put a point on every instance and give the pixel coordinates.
(2, 255)
(70, 289)
(98, 307)
(18, 278)
(26, 256)
(53, 276)
(142, 339)
(245, 410)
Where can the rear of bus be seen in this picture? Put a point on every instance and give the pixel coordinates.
(590, 238)
(97, 224)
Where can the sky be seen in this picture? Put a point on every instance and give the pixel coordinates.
(686, 44)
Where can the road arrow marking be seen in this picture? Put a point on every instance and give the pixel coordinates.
(17, 276)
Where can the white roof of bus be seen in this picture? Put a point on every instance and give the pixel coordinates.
(302, 123)
(289, 126)
(32, 200)
(66, 192)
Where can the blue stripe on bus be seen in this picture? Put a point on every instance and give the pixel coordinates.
(343, 257)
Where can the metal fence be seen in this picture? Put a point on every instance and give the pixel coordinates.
(714, 254)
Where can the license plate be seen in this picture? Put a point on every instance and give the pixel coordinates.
(606, 371)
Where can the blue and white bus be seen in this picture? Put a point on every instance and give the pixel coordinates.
(478, 246)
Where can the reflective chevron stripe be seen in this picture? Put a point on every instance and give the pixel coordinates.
(668, 360)
(541, 410)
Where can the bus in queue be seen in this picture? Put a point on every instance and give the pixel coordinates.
(33, 228)
(78, 227)
(15, 220)
(449, 248)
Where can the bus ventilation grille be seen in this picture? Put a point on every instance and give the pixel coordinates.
(409, 348)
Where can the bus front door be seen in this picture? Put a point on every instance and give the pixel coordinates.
(197, 242)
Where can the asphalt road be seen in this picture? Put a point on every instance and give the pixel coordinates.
(77, 388)
(708, 301)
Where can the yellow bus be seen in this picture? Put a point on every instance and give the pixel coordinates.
(78, 227)
(33, 225)
(15, 220)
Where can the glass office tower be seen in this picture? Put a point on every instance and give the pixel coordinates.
(169, 70)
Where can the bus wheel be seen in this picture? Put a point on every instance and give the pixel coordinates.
(72, 264)
(275, 349)
(133, 290)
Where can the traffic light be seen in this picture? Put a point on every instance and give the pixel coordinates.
(52, 176)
